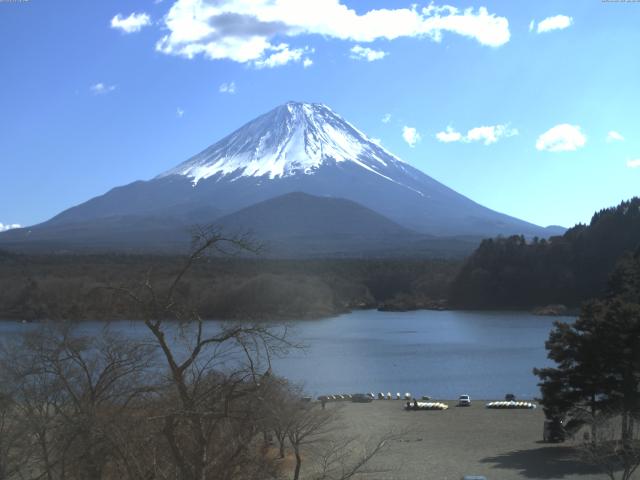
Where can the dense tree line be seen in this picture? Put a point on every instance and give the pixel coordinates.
(75, 286)
(516, 273)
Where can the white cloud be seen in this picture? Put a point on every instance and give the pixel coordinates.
(490, 134)
(365, 53)
(386, 118)
(133, 23)
(307, 62)
(449, 135)
(532, 25)
(242, 30)
(101, 88)
(559, 22)
(377, 141)
(635, 163)
(486, 134)
(562, 138)
(229, 88)
(282, 56)
(614, 136)
(179, 112)
(9, 226)
(410, 135)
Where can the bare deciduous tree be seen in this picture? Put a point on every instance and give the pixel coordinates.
(216, 373)
(308, 425)
(189, 401)
(69, 391)
(344, 458)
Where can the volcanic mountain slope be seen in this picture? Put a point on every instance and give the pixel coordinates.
(297, 147)
(297, 223)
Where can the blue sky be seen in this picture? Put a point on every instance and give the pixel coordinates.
(528, 108)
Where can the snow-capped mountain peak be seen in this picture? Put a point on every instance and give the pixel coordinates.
(292, 139)
(295, 149)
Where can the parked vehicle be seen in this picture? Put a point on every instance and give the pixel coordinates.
(509, 397)
(464, 401)
(361, 398)
(553, 430)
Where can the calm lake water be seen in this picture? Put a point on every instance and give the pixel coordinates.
(441, 354)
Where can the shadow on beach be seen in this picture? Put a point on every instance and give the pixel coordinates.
(543, 462)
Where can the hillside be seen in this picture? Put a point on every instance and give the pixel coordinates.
(515, 273)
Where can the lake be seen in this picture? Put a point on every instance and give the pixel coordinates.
(438, 353)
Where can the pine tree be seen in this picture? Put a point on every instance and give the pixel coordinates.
(597, 368)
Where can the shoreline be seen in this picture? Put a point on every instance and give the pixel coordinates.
(309, 318)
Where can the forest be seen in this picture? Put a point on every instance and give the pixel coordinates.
(503, 273)
(78, 287)
(569, 269)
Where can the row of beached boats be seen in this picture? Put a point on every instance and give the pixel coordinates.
(510, 404)
(371, 396)
(413, 404)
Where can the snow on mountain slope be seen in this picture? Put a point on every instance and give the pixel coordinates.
(296, 147)
(293, 139)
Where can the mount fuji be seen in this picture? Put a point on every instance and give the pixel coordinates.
(297, 147)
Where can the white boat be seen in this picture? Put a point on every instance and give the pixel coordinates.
(511, 405)
(427, 406)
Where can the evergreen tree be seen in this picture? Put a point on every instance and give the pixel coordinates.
(598, 366)
(515, 273)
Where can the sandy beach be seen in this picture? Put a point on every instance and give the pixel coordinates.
(445, 445)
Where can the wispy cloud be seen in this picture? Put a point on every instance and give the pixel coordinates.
(562, 138)
(635, 163)
(490, 134)
(365, 53)
(101, 88)
(229, 88)
(411, 136)
(179, 112)
(283, 55)
(614, 136)
(243, 31)
(133, 23)
(557, 22)
(487, 134)
(9, 226)
(307, 62)
(386, 118)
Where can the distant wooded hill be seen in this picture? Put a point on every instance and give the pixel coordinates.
(76, 287)
(568, 269)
